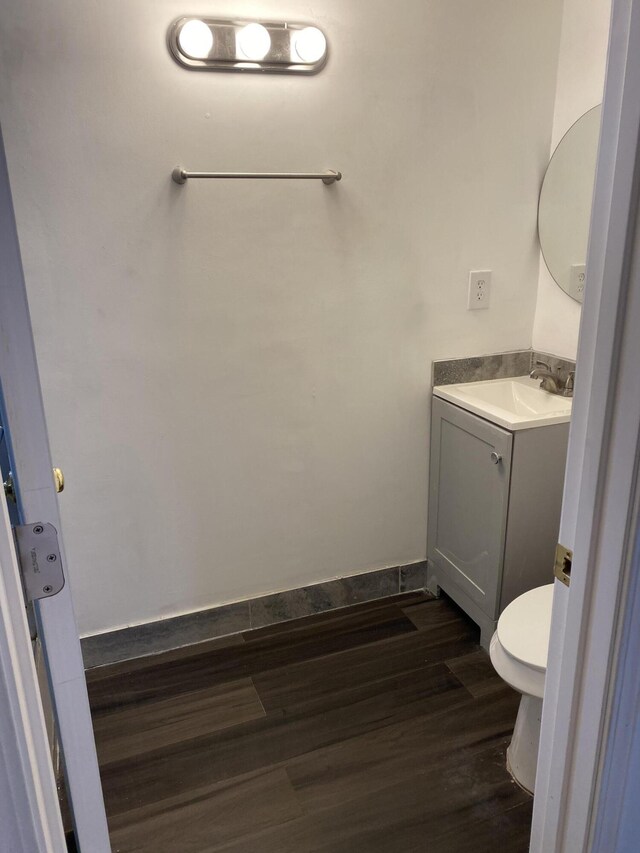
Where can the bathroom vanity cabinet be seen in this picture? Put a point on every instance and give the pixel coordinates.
(495, 498)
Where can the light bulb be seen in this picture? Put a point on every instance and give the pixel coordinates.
(310, 44)
(196, 39)
(254, 41)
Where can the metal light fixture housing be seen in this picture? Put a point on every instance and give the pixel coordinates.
(289, 48)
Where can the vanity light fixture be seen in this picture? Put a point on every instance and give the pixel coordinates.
(208, 44)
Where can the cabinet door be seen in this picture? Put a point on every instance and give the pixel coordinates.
(468, 501)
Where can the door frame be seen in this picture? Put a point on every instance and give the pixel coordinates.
(29, 807)
(37, 502)
(593, 620)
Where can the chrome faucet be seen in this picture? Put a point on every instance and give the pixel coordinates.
(554, 383)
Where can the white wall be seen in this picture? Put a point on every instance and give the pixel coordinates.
(581, 70)
(237, 374)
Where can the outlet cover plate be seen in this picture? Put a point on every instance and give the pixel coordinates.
(577, 280)
(479, 289)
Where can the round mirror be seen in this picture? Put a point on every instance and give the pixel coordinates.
(564, 209)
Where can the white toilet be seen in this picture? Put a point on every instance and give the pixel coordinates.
(519, 650)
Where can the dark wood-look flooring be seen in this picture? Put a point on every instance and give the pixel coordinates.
(380, 728)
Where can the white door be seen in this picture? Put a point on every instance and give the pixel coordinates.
(36, 503)
(583, 780)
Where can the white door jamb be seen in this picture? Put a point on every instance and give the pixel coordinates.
(25, 421)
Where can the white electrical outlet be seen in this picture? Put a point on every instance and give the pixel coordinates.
(479, 289)
(577, 280)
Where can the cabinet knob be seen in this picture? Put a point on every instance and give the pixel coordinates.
(496, 457)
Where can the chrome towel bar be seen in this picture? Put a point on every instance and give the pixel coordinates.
(180, 175)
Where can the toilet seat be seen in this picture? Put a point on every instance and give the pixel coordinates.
(525, 625)
(520, 645)
(525, 679)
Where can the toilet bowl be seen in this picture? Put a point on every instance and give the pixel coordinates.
(519, 650)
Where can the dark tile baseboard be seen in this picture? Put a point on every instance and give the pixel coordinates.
(501, 365)
(165, 634)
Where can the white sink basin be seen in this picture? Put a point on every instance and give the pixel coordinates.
(517, 403)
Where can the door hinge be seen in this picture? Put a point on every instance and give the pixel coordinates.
(9, 488)
(562, 567)
(40, 560)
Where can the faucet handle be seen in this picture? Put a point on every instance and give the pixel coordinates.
(543, 364)
(568, 385)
